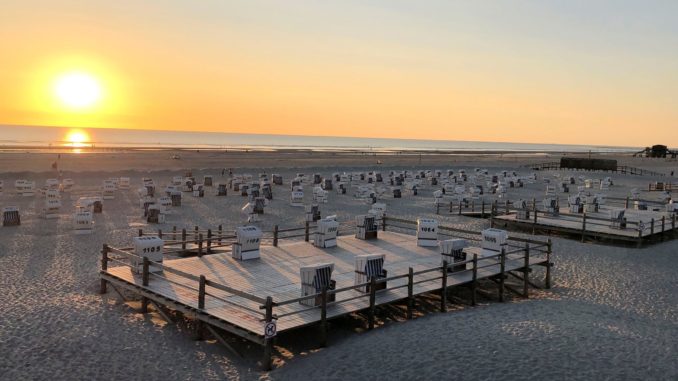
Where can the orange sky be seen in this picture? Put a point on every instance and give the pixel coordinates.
(573, 73)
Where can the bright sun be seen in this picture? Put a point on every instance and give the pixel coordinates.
(77, 89)
(77, 138)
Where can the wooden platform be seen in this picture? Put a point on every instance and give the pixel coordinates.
(598, 224)
(276, 275)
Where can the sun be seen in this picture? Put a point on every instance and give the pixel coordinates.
(77, 90)
(77, 138)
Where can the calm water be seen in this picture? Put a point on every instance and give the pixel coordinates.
(13, 136)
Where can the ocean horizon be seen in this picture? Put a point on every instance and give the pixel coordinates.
(17, 136)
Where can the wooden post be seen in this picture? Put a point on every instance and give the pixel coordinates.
(104, 266)
(547, 280)
(473, 206)
(626, 203)
(652, 226)
(482, 209)
(323, 318)
(460, 208)
(526, 271)
(437, 207)
(663, 224)
(183, 239)
(306, 231)
(507, 208)
(201, 292)
(141, 233)
(144, 274)
(195, 234)
(583, 226)
(174, 233)
(443, 289)
(209, 240)
(275, 236)
(673, 221)
(475, 279)
(640, 233)
(451, 207)
(502, 267)
(383, 222)
(268, 343)
(373, 295)
(410, 292)
(200, 245)
(220, 232)
(159, 233)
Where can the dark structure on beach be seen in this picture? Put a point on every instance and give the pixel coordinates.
(657, 150)
(588, 164)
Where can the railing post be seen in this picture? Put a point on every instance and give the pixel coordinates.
(443, 289)
(373, 294)
(323, 317)
(641, 227)
(475, 279)
(460, 207)
(201, 292)
(583, 226)
(507, 208)
(141, 232)
(144, 274)
(183, 239)
(502, 267)
(547, 280)
(220, 231)
(526, 271)
(383, 222)
(195, 234)
(209, 240)
(451, 207)
(410, 292)
(174, 233)
(437, 207)
(275, 236)
(663, 225)
(482, 209)
(473, 206)
(200, 245)
(306, 231)
(160, 233)
(268, 342)
(104, 266)
(652, 226)
(626, 203)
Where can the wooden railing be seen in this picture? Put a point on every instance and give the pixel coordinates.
(624, 169)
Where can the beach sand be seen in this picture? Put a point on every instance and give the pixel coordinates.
(612, 313)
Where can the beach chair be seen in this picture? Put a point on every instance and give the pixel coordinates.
(10, 216)
(28, 189)
(297, 198)
(259, 204)
(370, 266)
(176, 198)
(248, 240)
(550, 205)
(222, 189)
(207, 180)
(198, 190)
(575, 204)
(493, 242)
(326, 233)
(427, 232)
(123, 183)
(66, 185)
(83, 222)
(108, 190)
(155, 215)
(522, 211)
(366, 227)
(267, 192)
(51, 208)
(452, 251)
(277, 179)
(617, 218)
(590, 204)
(314, 279)
(147, 247)
(312, 212)
(639, 205)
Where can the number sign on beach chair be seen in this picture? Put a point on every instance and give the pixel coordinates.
(427, 232)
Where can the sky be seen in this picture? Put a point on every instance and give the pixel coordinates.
(566, 72)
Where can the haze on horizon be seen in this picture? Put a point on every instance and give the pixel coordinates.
(566, 72)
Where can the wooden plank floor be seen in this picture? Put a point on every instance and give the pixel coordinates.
(276, 274)
(575, 222)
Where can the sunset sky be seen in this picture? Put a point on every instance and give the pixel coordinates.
(588, 72)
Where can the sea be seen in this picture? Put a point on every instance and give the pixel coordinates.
(13, 137)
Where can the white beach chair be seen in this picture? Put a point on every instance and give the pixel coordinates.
(427, 232)
(248, 240)
(314, 279)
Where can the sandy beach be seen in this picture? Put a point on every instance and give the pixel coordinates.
(612, 312)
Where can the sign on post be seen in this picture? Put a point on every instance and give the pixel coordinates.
(270, 329)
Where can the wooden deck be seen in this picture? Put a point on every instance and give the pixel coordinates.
(276, 275)
(643, 226)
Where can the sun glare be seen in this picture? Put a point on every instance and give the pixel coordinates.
(77, 138)
(77, 90)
